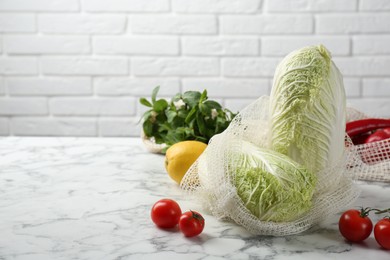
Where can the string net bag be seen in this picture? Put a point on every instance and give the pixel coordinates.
(373, 159)
(211, 179)
(240, 178)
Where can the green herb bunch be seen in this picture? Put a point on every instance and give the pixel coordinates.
(188, 116)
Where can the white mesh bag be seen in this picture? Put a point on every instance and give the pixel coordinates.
(211, 180)
(217, 181)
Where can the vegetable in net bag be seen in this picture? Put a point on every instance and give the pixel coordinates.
(373, 163)
(282, 165)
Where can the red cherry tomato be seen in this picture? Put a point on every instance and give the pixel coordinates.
(355, 225)
(378, 135)
(375, 154)
(191, 223)
(382, 233)
(166, 213)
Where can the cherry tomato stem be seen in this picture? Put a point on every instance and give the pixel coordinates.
(364, 212)
(381, 211)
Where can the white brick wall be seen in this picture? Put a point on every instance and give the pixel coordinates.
(39, 5)
(247, 87)
(282, 45)
(11, 106)
(16, 65)
(37, 44)
(371, 44)
(81, 23)
(183, 66)
(136, 45)
(220, 46)
(49, 86)
(84, 65)
(87, 106)
(17, 22)
(2, 87)
(173, 24)
(249, 67)
(58, 126)
(216, 6)
(312, 5)
(273, 24)
(353, 23)
(125, 5)
(78, 67)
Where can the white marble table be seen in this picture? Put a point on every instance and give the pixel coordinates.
(90, 198)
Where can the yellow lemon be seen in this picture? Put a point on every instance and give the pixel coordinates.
(180, 156)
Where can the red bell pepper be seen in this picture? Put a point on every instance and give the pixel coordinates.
(355, 128)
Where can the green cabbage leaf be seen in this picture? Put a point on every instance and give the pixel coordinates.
(271, 185)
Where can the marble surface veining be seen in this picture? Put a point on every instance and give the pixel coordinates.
(90, 198)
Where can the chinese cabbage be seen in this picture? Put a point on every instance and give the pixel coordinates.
(308, 110)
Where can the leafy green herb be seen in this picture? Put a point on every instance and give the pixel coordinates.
(188, 116)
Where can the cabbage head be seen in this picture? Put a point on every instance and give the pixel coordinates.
(271, 185)
(308, 110)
